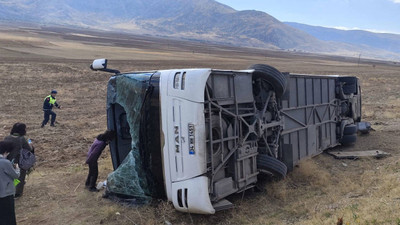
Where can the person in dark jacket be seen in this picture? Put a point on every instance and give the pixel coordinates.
(48, 104)
(93, 155)
(17, 137)
(7, 190)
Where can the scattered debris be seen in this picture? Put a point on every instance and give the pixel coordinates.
(364, 127)
(101, 185)
(344, 164)
(354, 195)
(77, 187)
(357, 154)
(223, 204)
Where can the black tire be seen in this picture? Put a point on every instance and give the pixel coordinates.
(272, 165)
(350, 85)
(350, 129)
(348, 139)
(272, 76)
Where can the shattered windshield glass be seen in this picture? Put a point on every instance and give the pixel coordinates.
(129, 179)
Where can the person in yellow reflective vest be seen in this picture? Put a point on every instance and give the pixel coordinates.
(48, 104)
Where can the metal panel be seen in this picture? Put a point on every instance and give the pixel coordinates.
(309, 91)
(317, 91)
(333, 135)
(303, 143)
(309, 115)
(312, 140)
(293, 92)
(325, 91)
(295, 146)
(301, 93)
(285, 103)
(242, 91)
(331, 89)
(225, 84)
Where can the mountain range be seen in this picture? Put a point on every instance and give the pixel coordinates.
(198, 20)
(385, 41)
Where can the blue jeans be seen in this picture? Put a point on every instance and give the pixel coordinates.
(47, 114)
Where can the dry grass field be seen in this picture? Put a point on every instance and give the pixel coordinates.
(319, 191)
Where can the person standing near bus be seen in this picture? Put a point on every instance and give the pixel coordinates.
(95, 150)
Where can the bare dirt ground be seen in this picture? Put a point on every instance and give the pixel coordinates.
(319, 191)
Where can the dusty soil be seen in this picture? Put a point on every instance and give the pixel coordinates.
(319, 191)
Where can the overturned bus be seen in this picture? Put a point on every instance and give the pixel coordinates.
(196, 136)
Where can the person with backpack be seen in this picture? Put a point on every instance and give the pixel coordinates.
(17, 137)
(8, 173)
(93, 155)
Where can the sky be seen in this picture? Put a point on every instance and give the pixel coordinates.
(371, 15)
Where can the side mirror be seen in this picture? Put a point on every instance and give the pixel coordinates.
(99, 64)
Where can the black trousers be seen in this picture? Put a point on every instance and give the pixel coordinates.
(20, 187)
(7, 211)
(47, 114)
(92, 177)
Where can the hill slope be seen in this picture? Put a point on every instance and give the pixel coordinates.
(201, 20)
(389, 42)
(195, 19)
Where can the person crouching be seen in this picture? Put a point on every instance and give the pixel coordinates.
(93, 155)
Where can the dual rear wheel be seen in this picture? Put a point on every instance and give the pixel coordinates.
(349, 135)
(277, 83)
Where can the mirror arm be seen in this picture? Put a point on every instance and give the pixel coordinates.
(105, 70)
